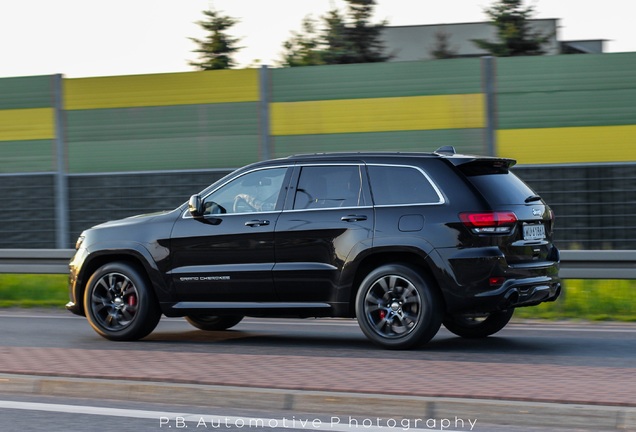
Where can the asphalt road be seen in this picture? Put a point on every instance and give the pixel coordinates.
(569, 343)
(590, 363)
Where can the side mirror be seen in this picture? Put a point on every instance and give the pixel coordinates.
(195, 206)
(214, 208)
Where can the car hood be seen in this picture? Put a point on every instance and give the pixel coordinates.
(132, 220)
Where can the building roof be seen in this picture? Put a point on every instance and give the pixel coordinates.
(416, 42)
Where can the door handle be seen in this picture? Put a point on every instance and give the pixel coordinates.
(256, 223)
(353, 218)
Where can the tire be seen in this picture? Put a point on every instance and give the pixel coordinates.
(397, 307)
(120, 304)
(213, 322)
(472, 326)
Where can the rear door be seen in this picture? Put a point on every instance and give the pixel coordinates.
(328, 217)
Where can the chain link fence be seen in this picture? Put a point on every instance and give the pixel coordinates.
(595, 205)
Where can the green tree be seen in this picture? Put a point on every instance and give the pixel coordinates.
(302, 48)
(216, 49)
(442, 48)
(514, 32)
(334, 41)
(344, 38)
(363, 36)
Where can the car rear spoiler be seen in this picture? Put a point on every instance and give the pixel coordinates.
(473, 165)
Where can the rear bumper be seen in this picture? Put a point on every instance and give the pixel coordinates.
(518, 293)
(481, 280)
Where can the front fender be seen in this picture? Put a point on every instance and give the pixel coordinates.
(90, 258)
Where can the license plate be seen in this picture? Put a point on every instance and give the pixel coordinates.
(533, 232)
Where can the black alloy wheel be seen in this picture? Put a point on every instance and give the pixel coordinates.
(397, 307)
(119, 303)
(214, 322)
(475, 326)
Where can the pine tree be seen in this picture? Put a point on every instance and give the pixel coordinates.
(442, 48)
(513, 31)
(349, 38)
(362, 35)
(302, 48)
(216, 49)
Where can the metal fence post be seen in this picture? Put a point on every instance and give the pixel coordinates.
(61, 179)
(265, 97)
(489, 80)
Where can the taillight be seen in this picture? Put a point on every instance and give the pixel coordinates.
(489, 222)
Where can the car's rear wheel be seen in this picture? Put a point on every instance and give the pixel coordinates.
(119, 303)
(214, 322)
(397, 307)
(474, 326)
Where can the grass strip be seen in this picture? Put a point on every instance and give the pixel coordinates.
(589, 299)
(27, 291)
(595, 300)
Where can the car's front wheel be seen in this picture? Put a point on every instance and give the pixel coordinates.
(214, 322)
(474, 326)
(397, 307)
(119, 302)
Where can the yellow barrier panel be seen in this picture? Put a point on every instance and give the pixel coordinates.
(378, 114)
(185, 88)
(27, 124)
(569, 145)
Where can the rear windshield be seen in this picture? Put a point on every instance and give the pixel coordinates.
(500, 186)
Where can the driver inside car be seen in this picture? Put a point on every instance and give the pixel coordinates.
(263, 199)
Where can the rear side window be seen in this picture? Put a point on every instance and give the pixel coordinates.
(395, 185)
(501, 187)
(329, 187)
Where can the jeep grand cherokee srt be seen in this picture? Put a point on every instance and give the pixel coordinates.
(404, 242)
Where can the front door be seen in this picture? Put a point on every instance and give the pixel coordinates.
(228, 254)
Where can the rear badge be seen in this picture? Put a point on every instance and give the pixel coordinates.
(537, 212)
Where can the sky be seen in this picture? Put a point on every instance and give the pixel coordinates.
(85, 38)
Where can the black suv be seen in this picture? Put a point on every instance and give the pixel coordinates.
(401, 241)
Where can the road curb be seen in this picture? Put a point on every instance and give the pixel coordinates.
(494, 412)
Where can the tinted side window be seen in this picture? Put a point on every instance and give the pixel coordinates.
(257, 191)
(329, 187)
(393, 185)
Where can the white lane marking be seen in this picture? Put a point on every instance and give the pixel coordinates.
(80, 409)
(178, 420)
